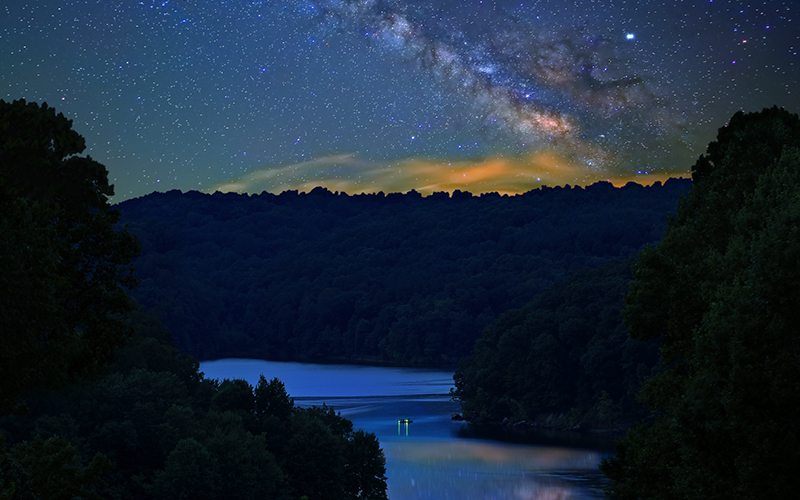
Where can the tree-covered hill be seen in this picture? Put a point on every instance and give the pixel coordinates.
(394, 278)
(721, 294)
(563, 360)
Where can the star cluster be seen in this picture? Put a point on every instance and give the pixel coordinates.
(369, 95)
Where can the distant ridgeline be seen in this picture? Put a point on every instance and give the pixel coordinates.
(396, 278)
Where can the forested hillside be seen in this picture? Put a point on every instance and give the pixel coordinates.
(391, 278)
(563, 360)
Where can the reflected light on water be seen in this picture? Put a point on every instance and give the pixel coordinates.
(427, 460)
(525, 457)
(479, 470)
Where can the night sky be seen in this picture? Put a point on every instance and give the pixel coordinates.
(367, 96)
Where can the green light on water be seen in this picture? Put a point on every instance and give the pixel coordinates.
(405, 422)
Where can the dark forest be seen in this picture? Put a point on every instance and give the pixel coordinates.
(398, 278)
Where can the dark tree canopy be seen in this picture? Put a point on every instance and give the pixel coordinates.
(40, 159)
(565, 352)
(152, 428)
(397, 278)
(722, 292)
(64, 266)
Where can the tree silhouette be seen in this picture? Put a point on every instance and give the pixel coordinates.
(722, 292)
(65, 266)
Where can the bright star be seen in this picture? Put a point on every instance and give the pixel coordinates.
(630, 36)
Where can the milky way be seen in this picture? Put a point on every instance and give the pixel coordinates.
(390, 95)
(535, 84)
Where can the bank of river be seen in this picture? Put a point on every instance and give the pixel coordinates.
(426, 458)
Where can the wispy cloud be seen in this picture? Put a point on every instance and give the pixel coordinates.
(351, 174)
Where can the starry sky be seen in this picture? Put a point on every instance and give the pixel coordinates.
(390, 95)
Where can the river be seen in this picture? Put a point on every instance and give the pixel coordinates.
(426, 459)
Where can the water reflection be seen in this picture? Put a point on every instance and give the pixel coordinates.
(303, 380)
(481, 470)
(431, 461)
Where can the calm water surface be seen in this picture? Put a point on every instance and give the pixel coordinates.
(426, 459)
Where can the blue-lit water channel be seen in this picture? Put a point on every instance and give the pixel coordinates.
(427, 459)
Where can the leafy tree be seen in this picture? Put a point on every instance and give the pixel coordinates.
(365, 468)
(65, 266)
(273, 412)
(722, 292)
(50, 468)
(246, 469)
(11, 473)
(314, 459)
(272, 400)
(191, 472)
(234, 395)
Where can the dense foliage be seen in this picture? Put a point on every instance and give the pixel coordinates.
(722, 293)
(154, 428)
(566, 353)
(398, 278)
(64, 269)
(151, 426)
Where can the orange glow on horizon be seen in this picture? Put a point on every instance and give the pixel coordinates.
(500, 174)
(646, 180)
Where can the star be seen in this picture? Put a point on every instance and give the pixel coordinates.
(176, 91)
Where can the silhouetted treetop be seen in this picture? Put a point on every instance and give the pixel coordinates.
(39, 155)
(721, 292)
(65, 267)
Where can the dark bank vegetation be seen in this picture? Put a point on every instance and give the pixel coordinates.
(562, 361)
(721, 292)
(152, 427)
(98, 401)
(378, 278)
(718, 297)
